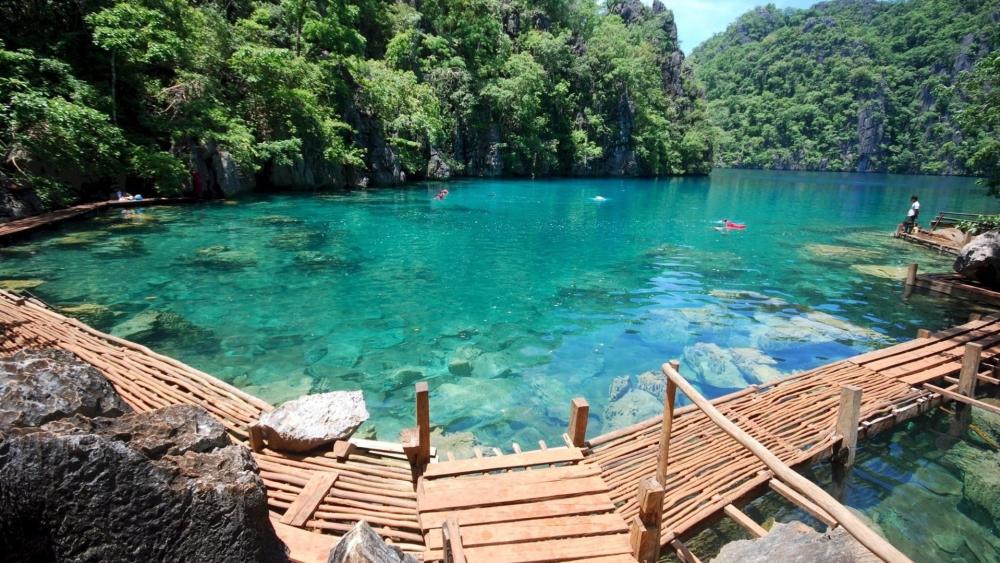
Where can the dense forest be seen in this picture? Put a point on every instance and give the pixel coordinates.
(162, 96)
(857, 85)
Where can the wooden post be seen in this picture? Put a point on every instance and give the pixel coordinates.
(911, 274)
(423, 424)
(579, 410)
(970, 369)
(854, 526)
(663, 457)
(256, 438)
(974, 317)
(923, 333)
(848, 418)
(644, 533)
(451, 535)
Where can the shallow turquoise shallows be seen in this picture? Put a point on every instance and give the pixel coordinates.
(509, 297)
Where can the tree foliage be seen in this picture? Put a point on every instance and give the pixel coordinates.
(849, 85)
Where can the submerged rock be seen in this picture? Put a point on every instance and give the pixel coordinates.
(39, 386)
(713, 365)
(224, 258)
(314, 420)
(886, 271)
(795, 542)
(980, 259)
(162, 325)
(83, 238)
(772, 331)
(363, 545)
(91, 313)
(632, 407)
(20, 285)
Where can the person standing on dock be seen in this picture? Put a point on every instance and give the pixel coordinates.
(912, 214)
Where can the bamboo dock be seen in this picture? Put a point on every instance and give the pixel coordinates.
(19, 227)
(622, 496)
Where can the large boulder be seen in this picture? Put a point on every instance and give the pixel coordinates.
(795, 542)
(980, 259)
(153, 486)
(308, 422)
(39, 386)
(363, 545)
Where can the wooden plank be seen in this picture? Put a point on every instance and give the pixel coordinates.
(453, 542)
(483, 496)
(970, 368)
(551, 550)
(303, 546)
(312, 494)
(579, 410)
(606, 559)
(536, 529)
(745, 521)
(536, 457)
(582, 504)
(951, 333)
(848, 417)
(544, 475)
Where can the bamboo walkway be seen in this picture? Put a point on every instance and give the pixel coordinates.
(24, 226)
(575, 502)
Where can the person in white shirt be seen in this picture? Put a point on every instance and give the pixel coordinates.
(912, 214)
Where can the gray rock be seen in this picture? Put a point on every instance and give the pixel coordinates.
(154, 486)
(17, 203)
(714, 366)
(363, 545)
(632, 407)
(437, 167)
(980, 259)
(314, 420)
(38, 386)
(619, 386)
(796, 543)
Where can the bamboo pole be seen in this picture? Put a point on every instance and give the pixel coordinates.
(877, 544)
(667, 425)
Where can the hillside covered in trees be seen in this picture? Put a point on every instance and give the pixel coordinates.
(855, 85)
(156, 95)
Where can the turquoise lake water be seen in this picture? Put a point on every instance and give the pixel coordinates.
(512, 297)
(509, 297)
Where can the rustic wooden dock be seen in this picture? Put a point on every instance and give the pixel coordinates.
(19, 227)
(958, 286)
(610, 498)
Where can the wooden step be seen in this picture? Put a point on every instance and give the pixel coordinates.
(486, 464)
(312, 494)
(583, 504)
(478, 495)
(535, 529)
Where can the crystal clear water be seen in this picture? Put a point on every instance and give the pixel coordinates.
(509, 297)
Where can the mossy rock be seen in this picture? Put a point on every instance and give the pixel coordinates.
(121, 246)
(155, 326)
(20, 285)
(222, 257)
(90, 313)
(887, 271)
(84, 238)
(297, 240)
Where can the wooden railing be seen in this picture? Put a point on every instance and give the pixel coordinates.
(952, 218)
(645, 528)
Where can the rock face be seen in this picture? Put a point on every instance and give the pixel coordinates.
(796, 543)
(311, 421)
(16, 203)
(219, 174)
(980, 259)
(437, 168)
(363, 545)
(38, 386)
(159, 485)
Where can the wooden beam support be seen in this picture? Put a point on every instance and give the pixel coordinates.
(683, 553)
(911, 274)
(256, 438)
(423, 421)
(645, 528)
(970, 369)
(451, 535)
(666, 427)
(874, 542)
(848, 418)
(962, 398)
(745, 521)
(579, 410)
(342, 450)
(802, 502)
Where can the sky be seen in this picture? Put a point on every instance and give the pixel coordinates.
(697, 20)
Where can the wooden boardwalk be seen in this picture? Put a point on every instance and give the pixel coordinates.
(556, 504)
(958, 286)
(24, 226)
